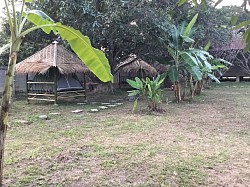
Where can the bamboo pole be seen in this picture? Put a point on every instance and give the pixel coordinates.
(27, 87)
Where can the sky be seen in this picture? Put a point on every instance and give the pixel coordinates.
(230, 2)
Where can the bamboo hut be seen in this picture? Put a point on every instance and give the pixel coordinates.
(133, 67)
(51, 74)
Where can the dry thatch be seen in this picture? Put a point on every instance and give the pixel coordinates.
(134, 64)
(236, 43)
(52, 56)
(161, 68)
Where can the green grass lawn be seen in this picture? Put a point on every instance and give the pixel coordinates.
(205, 142)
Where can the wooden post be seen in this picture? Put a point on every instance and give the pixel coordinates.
(27, 87)
(55, 85)
(140, 74)
(238, 79)
(84, 84)
(55, 69)
(119, 80)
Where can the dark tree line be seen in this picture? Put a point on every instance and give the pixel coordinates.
(121, 28)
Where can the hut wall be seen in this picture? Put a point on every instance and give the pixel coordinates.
(2, 77)
(20, 82)
(235, 71)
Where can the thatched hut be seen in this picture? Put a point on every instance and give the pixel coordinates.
(133, 67)
(51, 74)
(233, 52)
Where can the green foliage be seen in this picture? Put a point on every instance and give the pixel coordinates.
(185, 58)
(213, 25)
(192, 64)
(119, 27)
(94, 59)
(190, 26)
(208, 45)
(173, 74)
(38, 17)
(148, 88)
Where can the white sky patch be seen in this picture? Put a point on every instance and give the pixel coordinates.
(230, 2)
(133, 23)
(2, 5)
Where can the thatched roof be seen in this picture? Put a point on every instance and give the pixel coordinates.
(134, 64)
(161, 68)
(236, 43)
(53, 55)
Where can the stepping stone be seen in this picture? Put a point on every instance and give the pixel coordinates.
(119, 99)
(119, 104)
(81, 103)
(24, 122)
(94, 110)
(93, 103)
(113, 101)
(111, 105)
(43, 117)
(77, 111)
(103, 107)
(106, 103)
(55, 113)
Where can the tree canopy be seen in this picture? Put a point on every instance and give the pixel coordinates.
(121, 28)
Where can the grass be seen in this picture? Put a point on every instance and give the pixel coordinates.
(204, 142)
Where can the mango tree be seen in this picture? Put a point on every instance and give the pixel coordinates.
(93, 58)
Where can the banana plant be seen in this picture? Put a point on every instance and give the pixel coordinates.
(93, 58)
(149, 89)
(203, 66)
(211, 68)
(189, 63)
(183, 61)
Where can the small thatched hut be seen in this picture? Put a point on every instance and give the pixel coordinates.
(133, 67)
(233, 52)
(51, 74)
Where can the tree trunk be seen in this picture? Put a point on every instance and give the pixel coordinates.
(208, 83)
(5, 106)
(184, 95)
(191, 86)
(199, 87)
(177, 91)
(194, 89)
